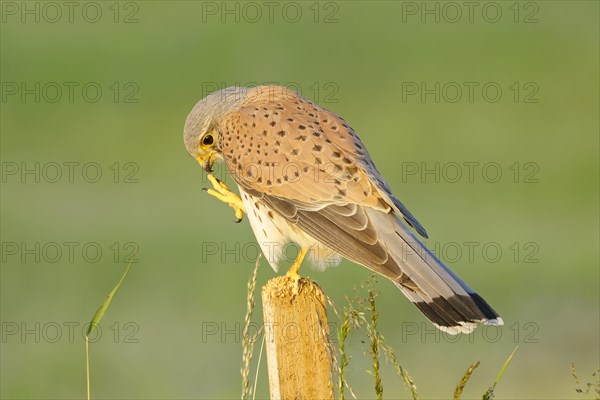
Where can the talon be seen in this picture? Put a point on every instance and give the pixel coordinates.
(222, 192)
(239, 214)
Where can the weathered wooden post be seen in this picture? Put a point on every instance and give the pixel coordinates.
(299, 356)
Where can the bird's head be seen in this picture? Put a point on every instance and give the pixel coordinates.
(200, 133)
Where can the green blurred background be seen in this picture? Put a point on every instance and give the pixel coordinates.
(153, 60)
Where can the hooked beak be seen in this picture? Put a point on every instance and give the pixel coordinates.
(206, 162)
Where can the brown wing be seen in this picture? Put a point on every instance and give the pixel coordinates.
(296, 150)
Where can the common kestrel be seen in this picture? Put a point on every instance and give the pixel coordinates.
(305, 176)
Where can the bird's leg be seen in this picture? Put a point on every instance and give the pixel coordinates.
(293, 271)
(222, 192)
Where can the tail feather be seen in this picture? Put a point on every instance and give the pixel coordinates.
(438, 292)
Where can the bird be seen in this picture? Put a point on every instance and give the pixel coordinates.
(305, 177)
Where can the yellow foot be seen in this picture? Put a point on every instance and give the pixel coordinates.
(222, 192)
(293, 274)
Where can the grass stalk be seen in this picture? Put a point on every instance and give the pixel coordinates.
(248, 340)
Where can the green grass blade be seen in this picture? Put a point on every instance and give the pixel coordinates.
(504, 367)
(490, 392)
(87, 368)
(93, 323)
(104, 306)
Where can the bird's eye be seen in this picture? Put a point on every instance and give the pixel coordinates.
(208, 140)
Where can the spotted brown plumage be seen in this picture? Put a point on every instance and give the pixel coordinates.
(305, 176)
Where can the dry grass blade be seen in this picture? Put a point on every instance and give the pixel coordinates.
(342, 336)
(331, 304)
(389, 353)
(262, 347)
(461, 385)
(339, 367)
(354, 318)
(248, 340)
(374, 336)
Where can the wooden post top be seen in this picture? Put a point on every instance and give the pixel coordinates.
(298, 350)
